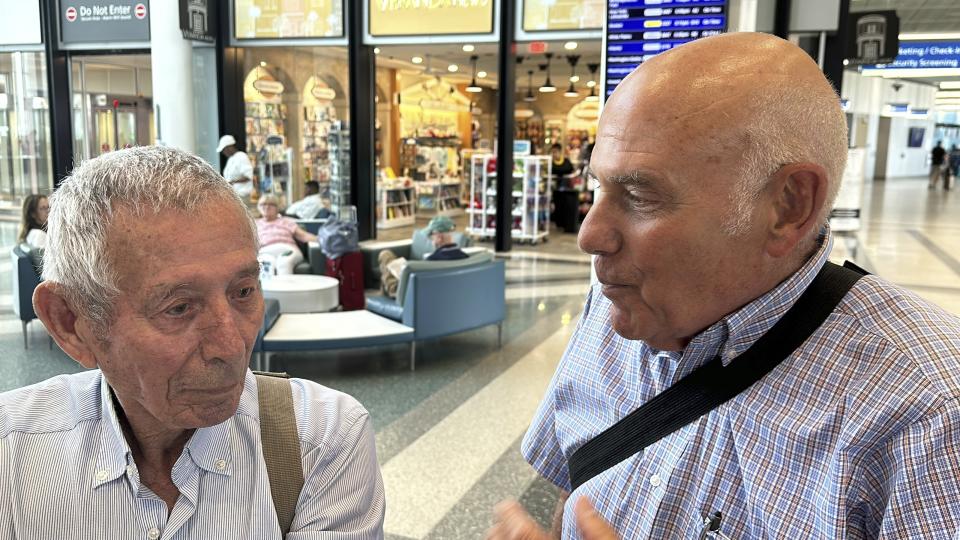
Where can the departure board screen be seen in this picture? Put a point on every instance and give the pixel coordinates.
(637, 30)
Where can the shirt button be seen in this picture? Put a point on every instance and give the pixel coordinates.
(655, 480)
(102, 475)
(220, 464)
(130, 470)
(153, 533)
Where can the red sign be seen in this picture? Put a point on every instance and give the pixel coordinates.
(537, 47)
(140, 11)
(71, 14)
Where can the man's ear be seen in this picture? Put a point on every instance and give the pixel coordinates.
(71, 333)
(798, 193)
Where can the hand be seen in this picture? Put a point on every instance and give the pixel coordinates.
(513, 523)
(591, 524)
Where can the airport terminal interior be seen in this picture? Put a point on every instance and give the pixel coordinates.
(448, 433)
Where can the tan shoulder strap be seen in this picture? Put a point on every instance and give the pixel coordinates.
(281, 445)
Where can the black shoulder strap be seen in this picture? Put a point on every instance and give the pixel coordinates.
(281, 445)
(712, 384)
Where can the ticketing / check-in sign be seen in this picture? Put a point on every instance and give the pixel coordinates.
(638, 30)
(104, 21)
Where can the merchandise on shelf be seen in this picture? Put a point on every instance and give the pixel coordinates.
(530, 191)
(317, 122)
(338, 146)
(262, 120)
(442, 198)
(396, 203)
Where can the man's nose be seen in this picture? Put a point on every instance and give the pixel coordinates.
(222, 332)
(599, 233)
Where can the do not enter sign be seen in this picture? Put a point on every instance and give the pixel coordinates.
(71, 14)
(140, 11)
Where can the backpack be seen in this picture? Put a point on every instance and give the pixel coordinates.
(337, 238)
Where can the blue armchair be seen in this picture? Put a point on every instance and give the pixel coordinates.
(414, 249)
(25, 279)
(439, 298)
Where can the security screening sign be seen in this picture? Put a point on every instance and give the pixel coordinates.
(92, 21)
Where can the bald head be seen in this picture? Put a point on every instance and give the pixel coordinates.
(749, 102)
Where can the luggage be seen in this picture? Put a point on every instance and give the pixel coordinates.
(338, 237)
(348, 268)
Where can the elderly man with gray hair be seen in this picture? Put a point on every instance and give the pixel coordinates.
(151, 281)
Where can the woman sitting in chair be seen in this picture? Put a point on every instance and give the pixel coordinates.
(33, 223)
(278, 236)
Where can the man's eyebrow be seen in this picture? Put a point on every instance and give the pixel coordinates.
(638, 178)
(163, 291)
(253, 270)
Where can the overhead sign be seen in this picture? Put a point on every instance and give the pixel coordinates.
(638, 30)
(197, 20)
(104, 21)
(390, 18)
(923, 55)
(271, 19)
(547, 15)
(20, 23)
(874, 37)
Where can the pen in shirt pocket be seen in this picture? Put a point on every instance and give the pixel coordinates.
(710, 529)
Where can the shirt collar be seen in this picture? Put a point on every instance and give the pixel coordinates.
(210, 448)
(736, 332)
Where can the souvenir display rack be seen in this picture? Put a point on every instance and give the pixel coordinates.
(531, 192)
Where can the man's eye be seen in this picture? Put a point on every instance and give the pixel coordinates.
(245, 292)
(178, 310)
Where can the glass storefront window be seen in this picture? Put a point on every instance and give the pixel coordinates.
(25, 154)
(296, 104)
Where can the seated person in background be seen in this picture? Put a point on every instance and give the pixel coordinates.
(238, 170)
(33, 223)
(312, 205)
(445, 249)
(562, 167)
(278, 236)
(151, 284)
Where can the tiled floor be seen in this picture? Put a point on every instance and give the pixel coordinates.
(448, 434)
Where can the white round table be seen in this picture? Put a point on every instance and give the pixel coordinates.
(303, 293)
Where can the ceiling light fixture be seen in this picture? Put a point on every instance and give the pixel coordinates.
(947, 94)
(530, 97)
(481, 74)
(417, 60)
(570, 45)
(474, 87)
(376, 50)
(547, 85)
(468, 48)
(452, 68)
(572, 90)
(592, 83)
(950, 85)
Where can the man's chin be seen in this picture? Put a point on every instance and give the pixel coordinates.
(624, 324)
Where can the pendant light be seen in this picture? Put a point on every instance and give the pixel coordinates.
(547, 85)
(474, 87)
(530, 97)
(593, 77)
(572, 90)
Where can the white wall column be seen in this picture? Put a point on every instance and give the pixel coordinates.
(171, 60)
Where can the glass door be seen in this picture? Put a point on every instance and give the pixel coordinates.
(106, 134)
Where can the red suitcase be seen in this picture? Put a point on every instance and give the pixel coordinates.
(348, 268)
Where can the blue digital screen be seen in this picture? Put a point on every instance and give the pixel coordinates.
(640, 29)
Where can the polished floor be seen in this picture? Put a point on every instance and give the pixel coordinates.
(448, 434)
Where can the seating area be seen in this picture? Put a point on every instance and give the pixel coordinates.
(435, 299)
(26, 277)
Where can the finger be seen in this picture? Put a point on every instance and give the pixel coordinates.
(591, 524)
(513, 523)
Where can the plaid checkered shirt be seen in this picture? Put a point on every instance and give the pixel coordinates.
(855, 435)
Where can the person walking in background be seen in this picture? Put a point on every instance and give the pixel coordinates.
(33, 223)
(953, 167)
(238, 170)
(938, 164)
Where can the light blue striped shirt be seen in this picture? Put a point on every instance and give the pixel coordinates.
(855, 435)
(66, 470)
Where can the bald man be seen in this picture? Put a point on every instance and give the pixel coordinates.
(718, 163)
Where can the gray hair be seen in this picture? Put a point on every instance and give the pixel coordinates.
(139, 180)
(788, 125)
